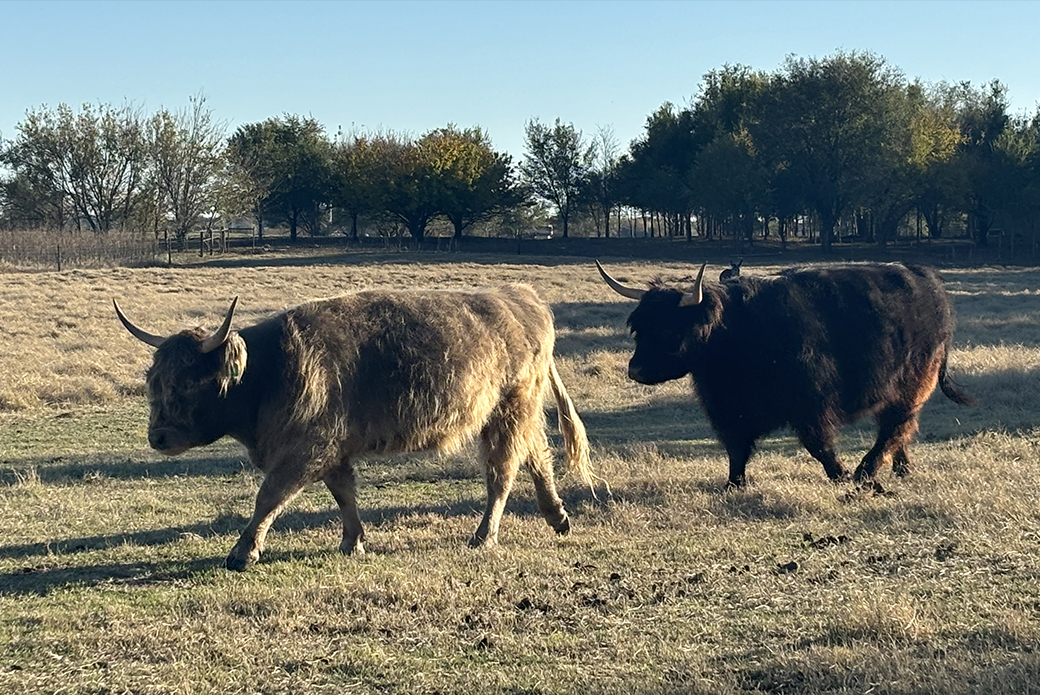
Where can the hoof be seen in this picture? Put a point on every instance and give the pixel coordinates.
(478, 542)
(564, 527)
(352, 548)
(738, 484)
(238, 564)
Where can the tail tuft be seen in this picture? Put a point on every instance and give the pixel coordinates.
(576, 441)
(950, 388)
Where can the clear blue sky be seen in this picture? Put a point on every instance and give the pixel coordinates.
(414, 66)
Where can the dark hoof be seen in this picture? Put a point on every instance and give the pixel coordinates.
(236, 564)
(564, 527)
(867, 488)
(878, 491)
(738, 484)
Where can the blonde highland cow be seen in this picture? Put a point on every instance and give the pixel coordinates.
(308, 390)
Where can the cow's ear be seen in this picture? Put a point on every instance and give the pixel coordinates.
(232, 363)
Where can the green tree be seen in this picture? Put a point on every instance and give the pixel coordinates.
(250, 171)
(828, 121)
(729, 176)
(285, 164)
(731, 182)
(657, 176)
(475, 182)
(412, 193)
(356, 178)
(940, 182)
(302, 158)
(556, 165)
(982, 118)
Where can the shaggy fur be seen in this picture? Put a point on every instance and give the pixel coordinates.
(308, 390)
(812, 349)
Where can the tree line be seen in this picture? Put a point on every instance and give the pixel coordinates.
(841, 146)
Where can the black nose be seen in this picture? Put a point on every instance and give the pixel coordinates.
(157, 440)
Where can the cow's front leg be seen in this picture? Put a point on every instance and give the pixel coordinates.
(282, 483)
(739, 451)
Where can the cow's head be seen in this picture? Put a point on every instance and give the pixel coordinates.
(190, 374)
(665, 325)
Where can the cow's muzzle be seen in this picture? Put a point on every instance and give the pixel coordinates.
(166, 442)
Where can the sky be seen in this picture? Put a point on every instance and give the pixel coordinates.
(411, 67)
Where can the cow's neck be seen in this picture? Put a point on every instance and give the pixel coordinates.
(244, 401)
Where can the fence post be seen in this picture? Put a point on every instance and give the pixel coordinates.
(59, 256)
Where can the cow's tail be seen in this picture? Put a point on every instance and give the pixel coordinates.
(576, 442)
(949, 387)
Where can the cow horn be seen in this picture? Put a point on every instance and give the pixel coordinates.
(145, 337)
(630, 292)
(220, 337)
(696, 295)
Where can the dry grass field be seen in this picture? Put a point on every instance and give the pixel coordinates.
(110, 576)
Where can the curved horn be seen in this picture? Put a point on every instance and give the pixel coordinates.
(220, 337)
(630, 292)
(145, 337)
(696, 295)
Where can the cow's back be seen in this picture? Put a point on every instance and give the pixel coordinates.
(854, 331)
(842, 340)
(414, 370)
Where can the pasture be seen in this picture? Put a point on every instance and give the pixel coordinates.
(110, 576)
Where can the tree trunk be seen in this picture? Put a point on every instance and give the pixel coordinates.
(934, 219)
(828, 222)
(417, 228)
(982, 226)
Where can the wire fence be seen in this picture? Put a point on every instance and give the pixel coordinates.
(38, 248)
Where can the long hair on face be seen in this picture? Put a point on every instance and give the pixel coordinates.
(233, 363)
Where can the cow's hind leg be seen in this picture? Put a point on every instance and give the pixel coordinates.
(819, 442)
(340, 482)
(282, 483)
(901, 462)
(896, 427)
(539, 463)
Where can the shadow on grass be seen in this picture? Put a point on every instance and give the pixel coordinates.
(110, 466)
(42, 581)
(224, 525)
(663, 421)
(579, 317)
(1005, 402)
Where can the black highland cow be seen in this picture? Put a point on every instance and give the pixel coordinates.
(812, 348)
